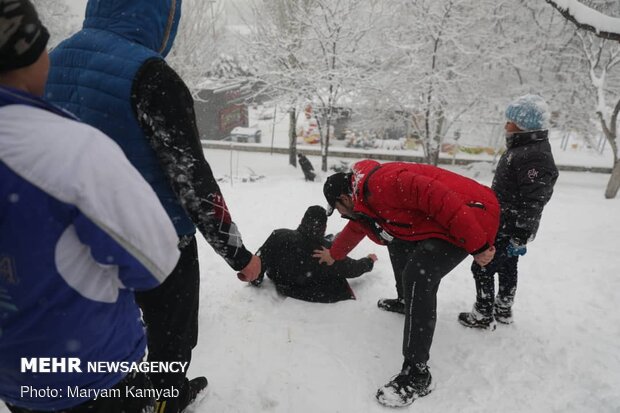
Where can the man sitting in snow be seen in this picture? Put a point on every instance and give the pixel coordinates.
(524, 180)
(287, 260)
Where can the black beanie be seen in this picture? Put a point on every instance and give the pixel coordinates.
(22, 35)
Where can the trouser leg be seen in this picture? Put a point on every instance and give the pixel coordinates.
(428, 262)
(399, 251)
(507, 277)
(485, 287)
(170, 312)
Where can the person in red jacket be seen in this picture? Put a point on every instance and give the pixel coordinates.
(430, 219)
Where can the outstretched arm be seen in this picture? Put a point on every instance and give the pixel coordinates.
(165, 110)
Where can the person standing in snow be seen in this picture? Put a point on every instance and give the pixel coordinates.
(80, 230)
(286, 258)
(430, 219)
(112, 74)
(524, 180)
(306, 167)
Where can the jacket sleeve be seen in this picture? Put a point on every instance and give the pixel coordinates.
(438, 201)
(165, 111)
(346, 240)
(120, 223)
(351, 268)
(536, 176)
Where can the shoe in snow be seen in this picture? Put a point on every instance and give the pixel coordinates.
(502, 311)
(413, 382)
(190, 391)
(395, 305)
(476, 319)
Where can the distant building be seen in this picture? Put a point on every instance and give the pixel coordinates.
(220, 108)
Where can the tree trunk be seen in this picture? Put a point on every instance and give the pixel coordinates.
(614, 182)
(292, 134)
(326, 149)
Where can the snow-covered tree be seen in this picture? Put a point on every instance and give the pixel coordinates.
(317, 51)
(56, 16)
(437, 62)
(599, 38)
(197, 43)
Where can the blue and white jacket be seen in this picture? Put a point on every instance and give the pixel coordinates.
(80, 230)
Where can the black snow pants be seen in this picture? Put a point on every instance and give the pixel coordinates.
(170, 312)
(422, 265)
(506, 268)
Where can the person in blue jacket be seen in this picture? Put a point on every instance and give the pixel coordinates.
(80, 231)
(112, 75)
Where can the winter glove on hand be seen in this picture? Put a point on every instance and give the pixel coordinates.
(514, 249)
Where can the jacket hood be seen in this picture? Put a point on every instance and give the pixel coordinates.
(151, 23)
(314, 222)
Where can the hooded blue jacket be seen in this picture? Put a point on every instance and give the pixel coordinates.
(93, 72)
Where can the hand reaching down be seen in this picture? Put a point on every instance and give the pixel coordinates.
(324, 256)
(251, 271)
(485, 257)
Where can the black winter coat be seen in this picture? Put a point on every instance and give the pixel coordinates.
(524, 180)
(287, 260)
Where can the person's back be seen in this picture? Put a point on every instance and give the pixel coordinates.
(113, 75)
(94, 73)
(524, 181)
(59, 223)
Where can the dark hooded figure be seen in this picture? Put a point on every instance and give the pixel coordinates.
(113, 75)
(306, 167)
(287, 260)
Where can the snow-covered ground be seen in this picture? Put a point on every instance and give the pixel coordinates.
(265, 353)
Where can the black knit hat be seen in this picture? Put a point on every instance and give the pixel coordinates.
(336, 185)
(22, 35)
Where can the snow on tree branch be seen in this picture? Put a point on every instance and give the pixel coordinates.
(586, 18)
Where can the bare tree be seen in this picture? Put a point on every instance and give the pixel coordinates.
(55, 15)
(602, 57)
(586, 18)
(197, 43)
(433, 74)
(315, 51)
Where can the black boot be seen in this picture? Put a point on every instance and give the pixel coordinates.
(412, 382)
(478, 319)
(395, 305)
(187, 394)
(190, 391)
(502, 309)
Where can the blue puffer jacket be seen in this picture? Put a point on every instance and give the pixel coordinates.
(93, 72)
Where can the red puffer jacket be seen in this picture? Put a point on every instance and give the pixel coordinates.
(415, 202)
